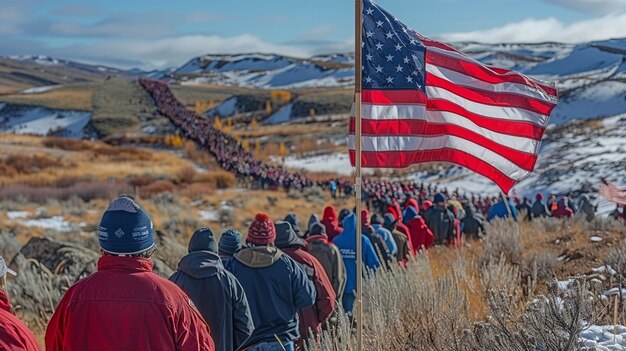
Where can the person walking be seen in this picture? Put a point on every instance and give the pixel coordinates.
(404, 250)
(440, 220)
(215, 291)
(275, 285)
(124, 305)
(230, 243)
(329, 257)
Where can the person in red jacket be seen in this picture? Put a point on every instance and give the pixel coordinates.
(331, 222)
(124, 305)
(421, 235)
(310, 318)
(562, 209)
(14, 335)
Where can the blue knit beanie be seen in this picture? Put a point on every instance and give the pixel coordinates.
(230, 241)
(125, 228)
(439, 198)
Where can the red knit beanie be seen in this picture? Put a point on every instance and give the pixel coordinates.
(261, 231)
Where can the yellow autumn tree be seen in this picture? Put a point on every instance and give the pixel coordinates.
(254, 124)
(217, 123)
(245, 145)
(282, 150)
(257, 148)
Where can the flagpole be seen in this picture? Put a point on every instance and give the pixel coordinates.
(358, 9)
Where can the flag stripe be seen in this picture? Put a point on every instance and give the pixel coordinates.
(525, 129)
(393, 97)
(390, 113)
(504, 87)
(458, 62)
(417, 143)
(508, 113)
(522, 157)
(489, 98)
(612, 193)
(404, 159)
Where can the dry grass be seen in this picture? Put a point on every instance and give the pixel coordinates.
(69, 97)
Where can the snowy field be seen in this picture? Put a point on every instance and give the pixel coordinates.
(43, 121)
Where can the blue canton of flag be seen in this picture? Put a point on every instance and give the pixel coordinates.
(393, 55)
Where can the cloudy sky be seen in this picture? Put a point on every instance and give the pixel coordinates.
(163, 33)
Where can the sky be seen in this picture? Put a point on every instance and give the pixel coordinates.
(157, 34)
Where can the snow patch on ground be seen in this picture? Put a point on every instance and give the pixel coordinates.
(601, 337)
(53, 223)
(38, 90)
(227, 108)
(281, 116)
(43, 121)
(17, 214)
(209, 215)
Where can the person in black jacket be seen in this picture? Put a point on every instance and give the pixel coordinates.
(218, 295)
(440, 220)
(472, 224)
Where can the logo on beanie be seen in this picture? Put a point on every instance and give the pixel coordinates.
(119, 232)
(140, 233)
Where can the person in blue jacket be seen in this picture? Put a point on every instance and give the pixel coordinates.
(276, 287)
(500, 210)
(377, 223)
(216, 292)
(346, 242)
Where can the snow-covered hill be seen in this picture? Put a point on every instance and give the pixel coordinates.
(22, 119)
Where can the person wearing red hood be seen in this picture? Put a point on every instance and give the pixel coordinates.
(14, 335)
(331, 222)
(426, 205)
(421, 235)
(124, 305)
(395, 211)
(562, 209)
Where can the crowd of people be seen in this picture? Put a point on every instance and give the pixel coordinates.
(271, 289)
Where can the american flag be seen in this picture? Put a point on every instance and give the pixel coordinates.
(424, 101)
(612, 193)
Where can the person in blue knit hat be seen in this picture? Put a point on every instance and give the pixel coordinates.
(124, 298)
(230, 243)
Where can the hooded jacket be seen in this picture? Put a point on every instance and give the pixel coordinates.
(218, 296)
(421, 235)
(500, 210)
(562, 209)
(472, 224)
(331, 222)
(441, 222)
(401, 227)
(14, 335)
(402, 242)
(276, 287)
(125, 306)
(375, 238)
(346, 242)
(539, 209)
(310, 317)
(330, 258)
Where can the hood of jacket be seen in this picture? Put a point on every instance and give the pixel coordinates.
(349, 225)
(411, 202)
(409, 214)
(390, 222)
(330, 215)
(5, 304)
(200, 264)
(286, 236)
(258, 256)
(312, 220)
(293, 220)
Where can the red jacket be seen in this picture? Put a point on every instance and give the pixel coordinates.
(331, 222)
(125, 306)
(313, 317)
(14, 335)
(421, 235)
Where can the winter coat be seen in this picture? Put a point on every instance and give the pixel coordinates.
(585, 207)
(562, 209)
(276, 287)
(402, 242)
(500, 210)
(331, 222)
(218, 296)
(387, 237)
(421, 235)
(312, 220)
(472, 224)
(346, 242)
(441, 222)
(401, 227)
(125, 306)
(330, 258)
(313, 317)
(376, 239)
(539, 209)
(14, 335)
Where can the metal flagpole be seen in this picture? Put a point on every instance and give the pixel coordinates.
(358, 8)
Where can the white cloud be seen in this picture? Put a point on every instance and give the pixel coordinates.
(595, 6)
(549, 29)
(175, 51)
